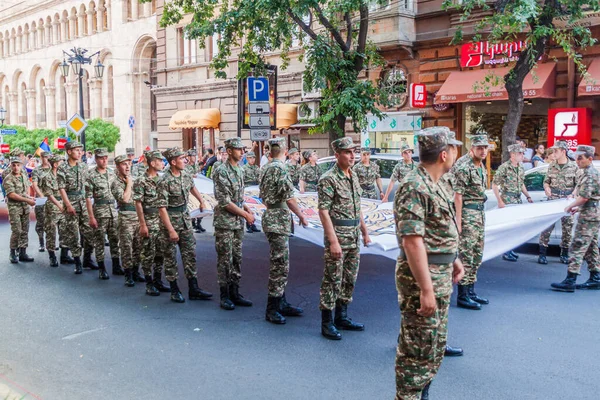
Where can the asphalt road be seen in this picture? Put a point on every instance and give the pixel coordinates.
(67, 337)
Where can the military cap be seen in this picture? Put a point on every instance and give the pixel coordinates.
(405, 147)
(101, 152)
(480, 140)
(250, 154)
(121, 158)
(234, 143)
(277, 142)
(516, 148)
(172, 153)
(73, 144)
(130, 151)
(192, 152)
(16, 152)
(307, 153)
(292, 151)
(582, 150)
(45, 154)
(561, 144)
(16, 160)
(153, 155)
(436, 137)
(344, 143)
(365, 150)
(54, 158)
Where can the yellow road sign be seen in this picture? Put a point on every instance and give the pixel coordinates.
(77, 124)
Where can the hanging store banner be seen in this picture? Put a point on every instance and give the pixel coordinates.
(571, 124)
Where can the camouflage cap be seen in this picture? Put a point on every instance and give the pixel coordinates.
(307, 153)
(192, 152)
(172, 153)
(293, 150)
(582, 150)
(234, 143)
(121, 158)
(16, 152)
(153, 155)
(344, 143)
(54, 158)
(405, 147)
(45, 154)
(561, 144)
(250, 154)
(280, 142)
(73, 144)
(101, 152)
(365, 150)
(130, 151)
(16, 160)
(516, 148)
(436, 137)
(480, 140)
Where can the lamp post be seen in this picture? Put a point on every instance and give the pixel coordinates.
(2, 119)
(76, 58)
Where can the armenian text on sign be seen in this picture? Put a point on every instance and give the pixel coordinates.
(479, 53)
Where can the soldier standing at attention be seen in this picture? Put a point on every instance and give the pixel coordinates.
(469, 201)
(229, 229)
(341, 217)
(293, 165)
(400, 170)
(174, 189)
(585, 242)
(251, 178)
(193, 169)
(368, 175)
(103, 216)
(71, 177)
(560, 181)
(145, 195)
(277, 193)
(427, 235)
(36, 176)
(310, 172)
(16, 184)
(53, 209)
(510, 179)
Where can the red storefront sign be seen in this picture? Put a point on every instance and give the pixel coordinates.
(479, 53)
(418, 95)
(571, 124)
(59, 143)
(4, 148)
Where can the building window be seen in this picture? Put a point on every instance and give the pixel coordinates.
(394, 84)
(188, 49)
(307, 19)
(214, 47)
(379, 5)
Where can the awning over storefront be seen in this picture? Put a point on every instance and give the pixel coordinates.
(591, 86)
(205, 118)
(287, 115)
(459, 86)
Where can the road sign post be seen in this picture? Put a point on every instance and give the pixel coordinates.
(259, 108)
(77, 124)
(131, 123)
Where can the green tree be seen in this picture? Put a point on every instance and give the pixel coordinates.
(541, 24)
(332, 33)
(100, 133)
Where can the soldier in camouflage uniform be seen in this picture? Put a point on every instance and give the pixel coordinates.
(145, 195)
(36, 176)
(277, 193)
(427, 265)
(15, 153)
(251, 177)
(174, 189)
(102, 213)
(400, 170)
(228, 223)
(222, 161)
(560, 181)
(368, 176)
(310, 172)
(16, 184)
(585, 241)
(192, 168)
(53, 209)
(293, 166)
(510, 180)
(71, 177)
(469, 199)
(342, 220)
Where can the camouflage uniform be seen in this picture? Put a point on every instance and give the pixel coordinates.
(36, 176)
(53, 217)
(138, 170)
(310, 175)
(214, 167)
(367, 178)
(510, 181)
(251, 174)
(18, 211)
(423, 208)
(294, 169)
(401, 170)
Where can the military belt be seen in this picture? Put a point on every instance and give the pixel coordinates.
(475, 206)
(561, 192)
(150, 210)
(251, 183)
(435, 258)
(590, 204)
(368, 187)
(126, 207)
(345, 222)
(514, 194)
(276, 205)
(311, 182)
(74, 194)
(103, 202)
(177, 209)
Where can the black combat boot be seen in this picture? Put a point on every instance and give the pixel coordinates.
(328, 329)
(473, 296)
(425, 392)
(453, 351)
(195, 293)
(236, 297)
(464, 300)
(23, 256)
(542, 257)
(136, 274)
(226, 303)
(87, 261)
(14, 258)
(42, 246)
(254, 228)
(176, 295)
(53, 260)
(116, 266)
(591, 284)
(129, 278)
(151, 289)
(288, 310)
(249, 228)
(567, 285)
(515, 255)
(509, 257)
(78, 266)
(199, 225)
(158, 283)
(102, 274)
(564, 255)
(343, 322)
(65, 258)
(272, 314)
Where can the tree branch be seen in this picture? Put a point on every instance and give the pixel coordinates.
(302, 25)
(327, 24)
(362, 37)
(348, 30)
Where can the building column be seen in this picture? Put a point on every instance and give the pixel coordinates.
(109, 16)
(80, 24)
(100, 19)
(147, 9)
(40, 37)
(13, 100)
(48, 31)
(95, 87)
(13, 44)
(55, 32)
(32, 40)
(19, 42)
(50, 92)
(63, 29)
(7, 46)
(134, 9)
(72, 99)
(72, 26)
(90, 22)
(31, 111)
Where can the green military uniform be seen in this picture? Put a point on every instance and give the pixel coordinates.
(401, 170)
(53, 216)
(214, 167)
(36, 176)
(15, 153)
(18, 212)
(310, 175)
(423, 208)
(367, 179)
(251, 172)
(294, 169)
(138, 170)
(510, 179)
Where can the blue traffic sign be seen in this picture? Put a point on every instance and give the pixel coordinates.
(258, 89)
(8, 132)
(131, 122)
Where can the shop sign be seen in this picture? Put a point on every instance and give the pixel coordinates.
(4, 148)
(59, 143)
(395, 123)
(479, 53)
(418, 95)
(571, 124)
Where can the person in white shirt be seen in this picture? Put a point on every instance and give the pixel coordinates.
(527, 156)
(264, 160)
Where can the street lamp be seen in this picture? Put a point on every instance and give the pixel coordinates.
(2, 116)
(76, 58)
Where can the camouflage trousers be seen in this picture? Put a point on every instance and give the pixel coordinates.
(39, 221)
(370, 194)
(18, 215)
(53, 220)
(228, 244)
(567, 233)
(75, 225)
(106, 227)
(279, 258)
(130, 241)
(585, 246)
(152, 246)
(511, 199)
(472, 239)
(422, 340)
(339, 276)
(182, 224)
